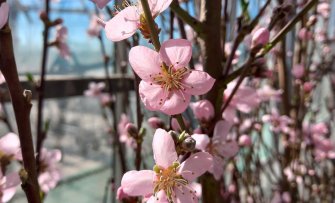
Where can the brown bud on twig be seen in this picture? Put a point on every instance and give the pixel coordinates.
(28, 95)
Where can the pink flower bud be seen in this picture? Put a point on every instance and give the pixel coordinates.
(203, 110)
(155, 122)
(245, 141)
(298, 71)
(308, 86)
(260, 37)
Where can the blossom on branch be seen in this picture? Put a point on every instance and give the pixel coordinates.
(8, 186)
(126, 22)
(170, 181)
(167, 84)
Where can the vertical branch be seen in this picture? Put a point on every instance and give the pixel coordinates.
(22, 106)
(41, 134)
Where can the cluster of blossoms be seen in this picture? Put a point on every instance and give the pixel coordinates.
(10, 151)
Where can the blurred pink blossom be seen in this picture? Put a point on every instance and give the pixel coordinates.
(203, 110)
(245, 100)
(61, 36)
(260, 37)
(49, 171)
(266, 93)
(245, 141)
(219, 146)
(8, 186)
(169, 181)
(10, 147)
(4, 10)
(279, 123)
(123, 132)
(324, 9)
(298, 71)
(167, 85)
(94, 27)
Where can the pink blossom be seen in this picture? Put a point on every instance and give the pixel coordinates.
(101, 3)
(244, 140)
(324, 9)
(10, 147)
(61, 36)
(203, 110)
(8, 186)
(123, 132)
(4, 10)
(279, 123)
(95, 89)
(298, 71)
(167, 85)
(245, 100)
(94, 27)
(220, 146)
(304, 34)
(169, 181)
(49, 172)
(126, 22)
(260, 37)
(266, 92)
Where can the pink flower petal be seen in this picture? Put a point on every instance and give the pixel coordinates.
(8, 194)
(10, 144)
(184, 195)
(158, 6)
(198, 82)
(222, 129)
(217, 167)
(177, 52)
(12, 180)
(145, 62)
(123, 25)
(4, 10)
(202, 141)
(160, 197)
(152, 95)
(164, 149)
(138, 183)
(228, 149)
(176, 103)
(196, 165)
(229, 114)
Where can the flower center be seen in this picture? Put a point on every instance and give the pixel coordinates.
(167, 180)
(172, 79)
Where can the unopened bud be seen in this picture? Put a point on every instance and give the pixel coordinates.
(244, 141)
(188, 144)
(260, 37)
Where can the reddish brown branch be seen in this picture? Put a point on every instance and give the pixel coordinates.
(22, 106)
